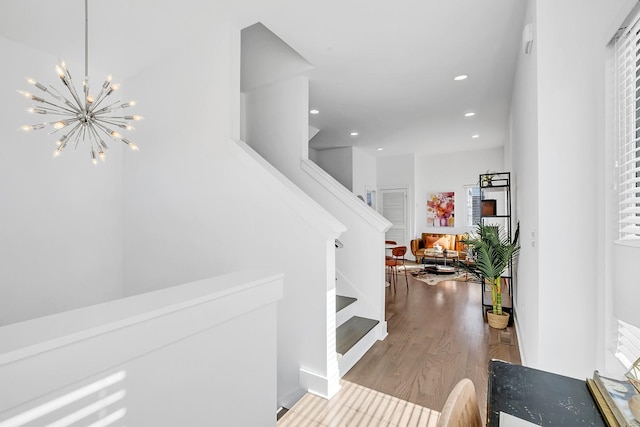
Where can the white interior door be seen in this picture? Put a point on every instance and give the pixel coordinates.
(394, 209)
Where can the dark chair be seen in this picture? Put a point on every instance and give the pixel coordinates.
(394, 261)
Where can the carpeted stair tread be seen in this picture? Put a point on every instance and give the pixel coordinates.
(352, 331)
(343, 302)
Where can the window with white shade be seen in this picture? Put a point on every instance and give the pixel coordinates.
(627, 52)
(628, 347)
(627, 95)
(473, 205)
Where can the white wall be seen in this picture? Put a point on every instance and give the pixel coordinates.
(337, 162)
(451, 172)
(198, 206)
(396, 172)
(424, 174)
(60, 221)
(524, 148)
(350, 166)
(281, 138)
(364, 172)
(558, 126)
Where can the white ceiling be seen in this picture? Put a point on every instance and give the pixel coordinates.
(382, 68)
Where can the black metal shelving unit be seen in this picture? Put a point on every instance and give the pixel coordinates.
(495, 199)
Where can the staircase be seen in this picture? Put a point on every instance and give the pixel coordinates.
(354, 334)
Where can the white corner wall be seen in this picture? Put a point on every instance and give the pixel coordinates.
(337, 162)
(524, 148)
(277, 118)
(558, 129)
(365, 173)
(198, 206)
(60, 221)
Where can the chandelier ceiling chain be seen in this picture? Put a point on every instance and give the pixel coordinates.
(85, 118)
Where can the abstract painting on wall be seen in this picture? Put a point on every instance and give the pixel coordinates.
(441, 209)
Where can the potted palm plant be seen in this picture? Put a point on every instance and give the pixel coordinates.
(493, 250)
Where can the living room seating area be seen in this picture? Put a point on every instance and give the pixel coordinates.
(430, 245)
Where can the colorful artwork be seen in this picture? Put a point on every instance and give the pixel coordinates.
(441, 209)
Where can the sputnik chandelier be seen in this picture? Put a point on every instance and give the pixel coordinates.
(81, 116)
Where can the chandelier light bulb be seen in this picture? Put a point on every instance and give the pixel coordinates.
(59, 71)
(86, 117)
(37, 126)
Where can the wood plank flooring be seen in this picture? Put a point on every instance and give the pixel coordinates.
(357, 406)
(437, 336)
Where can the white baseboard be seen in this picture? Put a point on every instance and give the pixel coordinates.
(382, 330)
(291, 399)
(523, 358)
(318, 384)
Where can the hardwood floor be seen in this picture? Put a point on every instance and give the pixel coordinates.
(437, 336)
(357, 406)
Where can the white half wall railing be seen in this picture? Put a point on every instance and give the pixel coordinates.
(196, 354)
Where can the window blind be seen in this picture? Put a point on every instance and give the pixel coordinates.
(627, 88)
(627, 50)
(628, 347)
(473, 205)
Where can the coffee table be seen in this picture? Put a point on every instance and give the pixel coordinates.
(439, 269)
(437, 255)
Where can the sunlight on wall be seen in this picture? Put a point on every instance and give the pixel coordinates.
(69, 408)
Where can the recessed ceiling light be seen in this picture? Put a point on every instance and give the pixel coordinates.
(469, 114)
(314, 111)
(380, 149)
(354, 133)
(461, 77)
(475, 136)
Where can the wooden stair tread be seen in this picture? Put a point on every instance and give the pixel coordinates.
(343, 302)
(352, 331)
